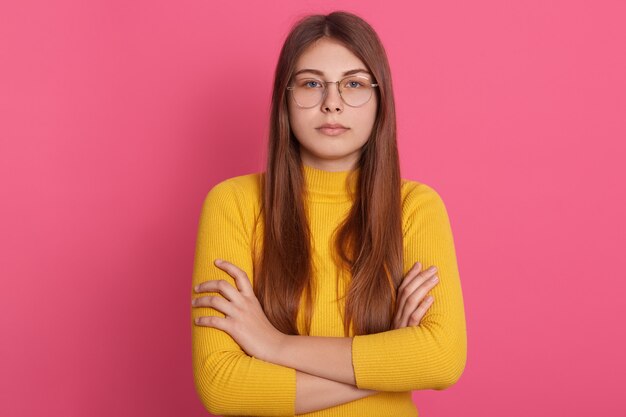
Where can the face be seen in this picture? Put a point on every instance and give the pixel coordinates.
(325, 148)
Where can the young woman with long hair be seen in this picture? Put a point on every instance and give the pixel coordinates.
(310, 281)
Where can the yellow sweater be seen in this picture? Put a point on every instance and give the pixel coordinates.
(429, 356)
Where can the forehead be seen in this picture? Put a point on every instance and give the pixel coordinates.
(330, 57)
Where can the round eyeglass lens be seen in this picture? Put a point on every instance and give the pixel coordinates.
(356, 91)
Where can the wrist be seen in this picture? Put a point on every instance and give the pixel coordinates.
(278, 345)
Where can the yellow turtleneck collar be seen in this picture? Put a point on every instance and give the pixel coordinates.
(330, 186)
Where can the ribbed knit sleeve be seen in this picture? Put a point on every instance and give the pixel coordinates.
(433, 354)
(228, 381)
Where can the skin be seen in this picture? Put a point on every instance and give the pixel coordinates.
(331, 153)
(324, 372)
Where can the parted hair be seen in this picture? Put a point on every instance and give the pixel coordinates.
(368, 243)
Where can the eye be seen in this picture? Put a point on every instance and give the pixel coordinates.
(310, 84)
(354, 83)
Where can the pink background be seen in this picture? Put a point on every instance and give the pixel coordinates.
(117, 117)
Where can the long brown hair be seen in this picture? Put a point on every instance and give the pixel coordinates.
(369, 241)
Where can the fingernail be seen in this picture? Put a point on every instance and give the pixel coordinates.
(432, 268)
(417, 265)
(435, 279)
(196, 288)
(218, 261)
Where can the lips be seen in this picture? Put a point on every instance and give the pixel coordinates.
(332, 129)
(332, 126)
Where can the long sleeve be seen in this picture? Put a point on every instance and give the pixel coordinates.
(433, 354)
(228, 381)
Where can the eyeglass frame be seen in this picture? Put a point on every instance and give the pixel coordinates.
(325, 93)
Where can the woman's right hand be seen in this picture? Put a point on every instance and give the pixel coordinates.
(411, 305)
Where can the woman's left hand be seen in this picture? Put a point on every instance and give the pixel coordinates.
(245, 319)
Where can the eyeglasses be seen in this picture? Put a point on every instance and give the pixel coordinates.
(355, 91)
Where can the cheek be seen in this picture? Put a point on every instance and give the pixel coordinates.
(299, 120)
(369, 118)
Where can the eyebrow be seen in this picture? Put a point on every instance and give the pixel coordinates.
(321, 73)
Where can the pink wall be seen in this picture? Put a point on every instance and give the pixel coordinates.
(116, 118)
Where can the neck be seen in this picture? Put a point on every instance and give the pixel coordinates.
(330, 186)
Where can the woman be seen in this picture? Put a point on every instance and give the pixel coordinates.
(308, 294)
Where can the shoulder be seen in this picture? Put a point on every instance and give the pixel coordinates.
(417, 195)
(243, 191)
(422, 206)
(249, 184)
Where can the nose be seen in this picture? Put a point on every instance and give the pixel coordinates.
(332, 101)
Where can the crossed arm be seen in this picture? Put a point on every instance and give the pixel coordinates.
(233, 364)
(324, 374)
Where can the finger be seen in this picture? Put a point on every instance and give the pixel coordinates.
(219, 286)
(412, 273)
(218, 303)
(408, 278)
(420, 278)
(212, 321)
(415, 283)
(416, 317)
(241, 278)
(414, 299)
